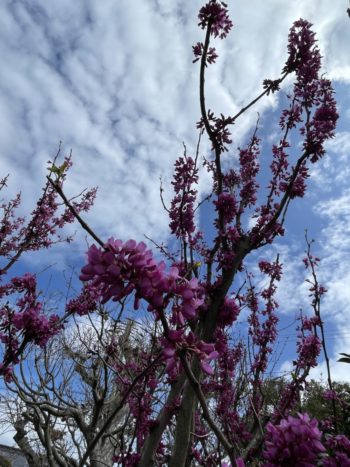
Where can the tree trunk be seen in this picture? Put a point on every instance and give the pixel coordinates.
(155, 434)
(206, 332)
(33, 459)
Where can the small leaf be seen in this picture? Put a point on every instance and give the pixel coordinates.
(344, 360)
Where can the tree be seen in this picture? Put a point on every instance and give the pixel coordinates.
(317, 402)
(315, 399)
(4, 462)
(60, 396)
(195, 395)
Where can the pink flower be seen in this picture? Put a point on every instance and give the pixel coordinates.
(295, 441)
(182, 206)
(226, 205)
(215, 15)
(6, 372)
(228, 312)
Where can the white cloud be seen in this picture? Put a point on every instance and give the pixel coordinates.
(115, 82)
(339, 371)
(333, 171)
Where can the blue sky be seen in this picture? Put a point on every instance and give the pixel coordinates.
(114, 81)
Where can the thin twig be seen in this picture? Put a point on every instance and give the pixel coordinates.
(74, 212)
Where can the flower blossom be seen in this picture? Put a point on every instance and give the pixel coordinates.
(123, 268)
(226, 205)
(182, 206)
(295, 441)
(176, 340)
(198, 52)
(340, 447)
(215, 15)
(228, 312)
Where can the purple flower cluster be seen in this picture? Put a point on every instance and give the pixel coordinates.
(263, 323)
(271, 269)
(339, 446)
(177, 340)
(10, 224)
(228, 312)
(227, 207)
(182, 206)
(226, 387)
(313, 110)
(41, 230)
(37, 327)
(249, 168)
(298, 187)
(86, 302)
(220, 133)
(215, 15)
(310, 90)
(119, 266)
(24, 322)
(266, 229)
(6, 371)
(303, 55)
(123, 268)
(127, 459)
(323, 123)
(309, 348)
(295, 442)
(211, 55)
(29, 318)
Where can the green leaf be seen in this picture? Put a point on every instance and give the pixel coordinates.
(58, 170)
(344, 359)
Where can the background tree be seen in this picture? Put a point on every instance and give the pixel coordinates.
(316, 400)
(61, 396)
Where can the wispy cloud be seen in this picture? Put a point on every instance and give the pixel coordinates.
(114, 81)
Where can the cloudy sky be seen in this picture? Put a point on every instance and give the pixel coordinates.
(114, 81)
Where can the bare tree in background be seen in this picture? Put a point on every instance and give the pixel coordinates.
(65, 394)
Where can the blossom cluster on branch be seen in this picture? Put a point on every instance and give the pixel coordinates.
(22, 320)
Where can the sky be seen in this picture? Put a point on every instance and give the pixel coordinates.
(114, 81)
